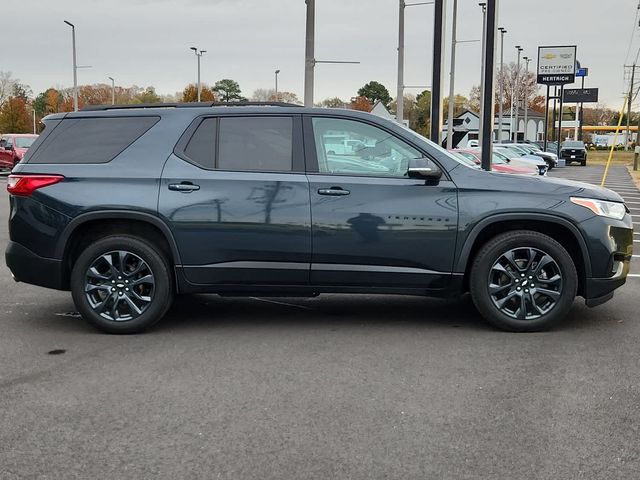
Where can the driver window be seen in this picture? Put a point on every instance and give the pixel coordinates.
(349, 147)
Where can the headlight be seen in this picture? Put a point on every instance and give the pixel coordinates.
(603, 208)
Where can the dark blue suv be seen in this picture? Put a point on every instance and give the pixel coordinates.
(127, 207)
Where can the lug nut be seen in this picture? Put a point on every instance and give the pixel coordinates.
(526, 290)
(530, 277)
(113, 289)
(127, 289)
(113, 281)
(126, 281)
(532, 285)
(518, 289)
(119, 277)
(522, 274)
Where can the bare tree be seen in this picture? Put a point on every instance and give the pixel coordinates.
(6, 85)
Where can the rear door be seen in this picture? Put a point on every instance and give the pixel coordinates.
(236, 197)
(372, 225)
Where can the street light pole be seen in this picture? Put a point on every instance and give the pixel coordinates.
(113, 91)
(516, 93)
(439, 20)
(277, 72)
(309, 60)
(525, 95)
(483, 6)
(452, 74)
(75, 66)
(198, 54)
(400, 91)
(501, 81)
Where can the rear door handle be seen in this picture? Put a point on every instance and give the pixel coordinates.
(333, 191)
(184, 187)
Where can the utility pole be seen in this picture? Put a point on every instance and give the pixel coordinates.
(277, 72)
(501, 86)
(113, 90)
(629, 100)
(436, 72)
(309, 55)
(516, 93)
(452, 74)
(483, 6)
(75, 65)
(34, 121)
(526, 98)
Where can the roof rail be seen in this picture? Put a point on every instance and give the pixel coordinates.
(93, 108)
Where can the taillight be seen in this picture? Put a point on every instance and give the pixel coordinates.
(25, 185)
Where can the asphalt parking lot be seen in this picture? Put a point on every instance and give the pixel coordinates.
(334, 387)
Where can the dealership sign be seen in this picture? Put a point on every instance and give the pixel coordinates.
(580, 95)
(556, 65)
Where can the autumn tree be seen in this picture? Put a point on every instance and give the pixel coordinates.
(148, 95)
(409, 105)
(375, 91)
(361, 103)
(460, 104)
(228, 90)
(15, 116)
(190, 93)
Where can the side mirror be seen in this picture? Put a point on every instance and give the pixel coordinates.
(424, 169)
(8, 147)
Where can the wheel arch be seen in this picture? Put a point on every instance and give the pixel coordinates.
(558, 228)
(88, 227)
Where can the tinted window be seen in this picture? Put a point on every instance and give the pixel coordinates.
(91, 140)
(202, 145)
(255, 143)
(350, 147)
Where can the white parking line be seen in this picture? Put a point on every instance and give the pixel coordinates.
(633, 275)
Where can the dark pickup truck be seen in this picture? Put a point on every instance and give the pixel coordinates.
(573, 151)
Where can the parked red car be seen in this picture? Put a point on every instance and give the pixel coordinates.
(497, 164)
(13, 146)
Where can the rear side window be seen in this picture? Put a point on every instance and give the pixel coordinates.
(91, 140)
(255, 143)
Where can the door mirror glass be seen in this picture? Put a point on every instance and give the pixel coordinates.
(423, 168)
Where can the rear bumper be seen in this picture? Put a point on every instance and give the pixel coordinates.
(28, 267)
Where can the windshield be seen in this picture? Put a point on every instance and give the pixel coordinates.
(573, 144)
(511, 152)
(24, 142)
(464, 160)
(435, 145)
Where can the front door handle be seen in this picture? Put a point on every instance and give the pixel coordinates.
(184, 187)
(333, 191)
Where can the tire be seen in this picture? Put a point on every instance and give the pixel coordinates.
(550, 165)
(583, 163)
(127, 272)
(523, 247)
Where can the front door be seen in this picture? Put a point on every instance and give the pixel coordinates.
(237, 200)
(371, 224)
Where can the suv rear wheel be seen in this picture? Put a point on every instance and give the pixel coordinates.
(523, 281)
(121, 284)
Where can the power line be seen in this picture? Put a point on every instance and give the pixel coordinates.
(633, 33)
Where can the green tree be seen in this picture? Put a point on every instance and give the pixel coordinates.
(423, 112)
(334, 102)
(228, 90)
(148, 95)
(375, 91)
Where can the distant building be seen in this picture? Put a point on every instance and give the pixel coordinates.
(470, 121)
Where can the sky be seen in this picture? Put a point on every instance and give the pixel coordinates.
(146, 42)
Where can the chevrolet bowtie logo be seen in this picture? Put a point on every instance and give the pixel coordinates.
(549, 56)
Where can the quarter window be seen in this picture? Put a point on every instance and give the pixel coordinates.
(348, 147)
(202, 145)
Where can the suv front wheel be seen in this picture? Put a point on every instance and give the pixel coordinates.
(523, 281)
(121, 284)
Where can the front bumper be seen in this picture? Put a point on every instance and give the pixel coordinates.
(611, 247)
(28, 267)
